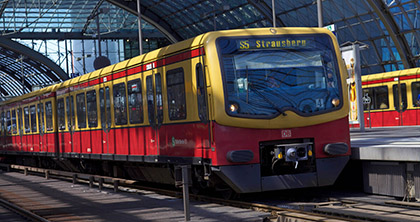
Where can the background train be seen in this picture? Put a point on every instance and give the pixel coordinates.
(249, 110)
(395, 98)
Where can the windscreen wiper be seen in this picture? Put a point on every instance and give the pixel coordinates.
(250, 86)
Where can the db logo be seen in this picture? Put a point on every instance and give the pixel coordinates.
(286, 133)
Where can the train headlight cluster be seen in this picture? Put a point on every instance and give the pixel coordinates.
(293, 152)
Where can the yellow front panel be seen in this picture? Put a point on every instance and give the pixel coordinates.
(216, 92)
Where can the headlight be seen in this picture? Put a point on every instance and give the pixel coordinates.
(234, 108)
(335, 102)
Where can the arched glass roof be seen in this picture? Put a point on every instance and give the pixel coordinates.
(390, 28)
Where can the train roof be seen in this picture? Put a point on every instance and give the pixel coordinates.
(386, 75)
(40, 92)
(191, 43)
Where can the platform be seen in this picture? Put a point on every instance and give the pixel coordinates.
(390, 160)
(386, 143)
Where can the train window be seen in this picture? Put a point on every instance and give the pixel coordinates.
(150, 101)
(8, 123)
(135, 104)
(102, 107)
(41, 117)
(33, 119)
(26, 116)
(81, 110)
(201, 92)
(159, 103)
(92, 108)
(2, 123)
(20, 120)
(14, 126)
(379, 98)
(70, 112)
(48, 116)
(61, 115)
(120, 111)
(415, 92)
(105, 106)
(395, 90)
(176, 94)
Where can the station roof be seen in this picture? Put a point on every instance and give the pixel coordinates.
(389, 28)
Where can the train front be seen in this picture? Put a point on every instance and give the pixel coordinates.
(279, 105)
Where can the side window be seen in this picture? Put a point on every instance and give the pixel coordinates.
(20, 120)
(14, 125)
(81, 110)
(176, 94)
(120, 111)
(415, 91)
(48, 116)
(150, 100)
(102, 106)
(92, 109)
(61, 115)
(105, 107)
(27, 123)
(41, 117)
(379, 98)
(33, 119)
(159, 103)
(397, 103)
(70, 112)
(201, 92)
(2, 123)
(135, 101)
(8, 123)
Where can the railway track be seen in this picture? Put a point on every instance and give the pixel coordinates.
(28, 215)
(389, 211)
(333, 210)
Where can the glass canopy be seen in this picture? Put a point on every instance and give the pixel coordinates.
(390, 29)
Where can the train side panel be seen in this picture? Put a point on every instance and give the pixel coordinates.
(393, 112)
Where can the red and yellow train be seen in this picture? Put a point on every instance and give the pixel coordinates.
(250, 110)
(394, 98)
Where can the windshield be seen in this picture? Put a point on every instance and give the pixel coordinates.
(264, 77)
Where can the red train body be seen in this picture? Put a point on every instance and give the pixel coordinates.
(197, 103)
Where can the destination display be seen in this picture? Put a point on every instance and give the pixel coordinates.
(277, 43)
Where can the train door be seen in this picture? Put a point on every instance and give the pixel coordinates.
(400, 102)
(415, 94)
(20, 129)
(106, 121)
(7, 137)
(63, 136)
(155, 113)
(81, 139)
(41, 127)
(203, 143)
(14, 130)
(34, 129)
(70, 124)
(2, 137)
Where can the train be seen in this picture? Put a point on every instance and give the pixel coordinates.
(247, 110)
(393, 98)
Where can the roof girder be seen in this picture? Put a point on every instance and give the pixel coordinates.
(150, 17)
(391, 26)
(265, 10)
